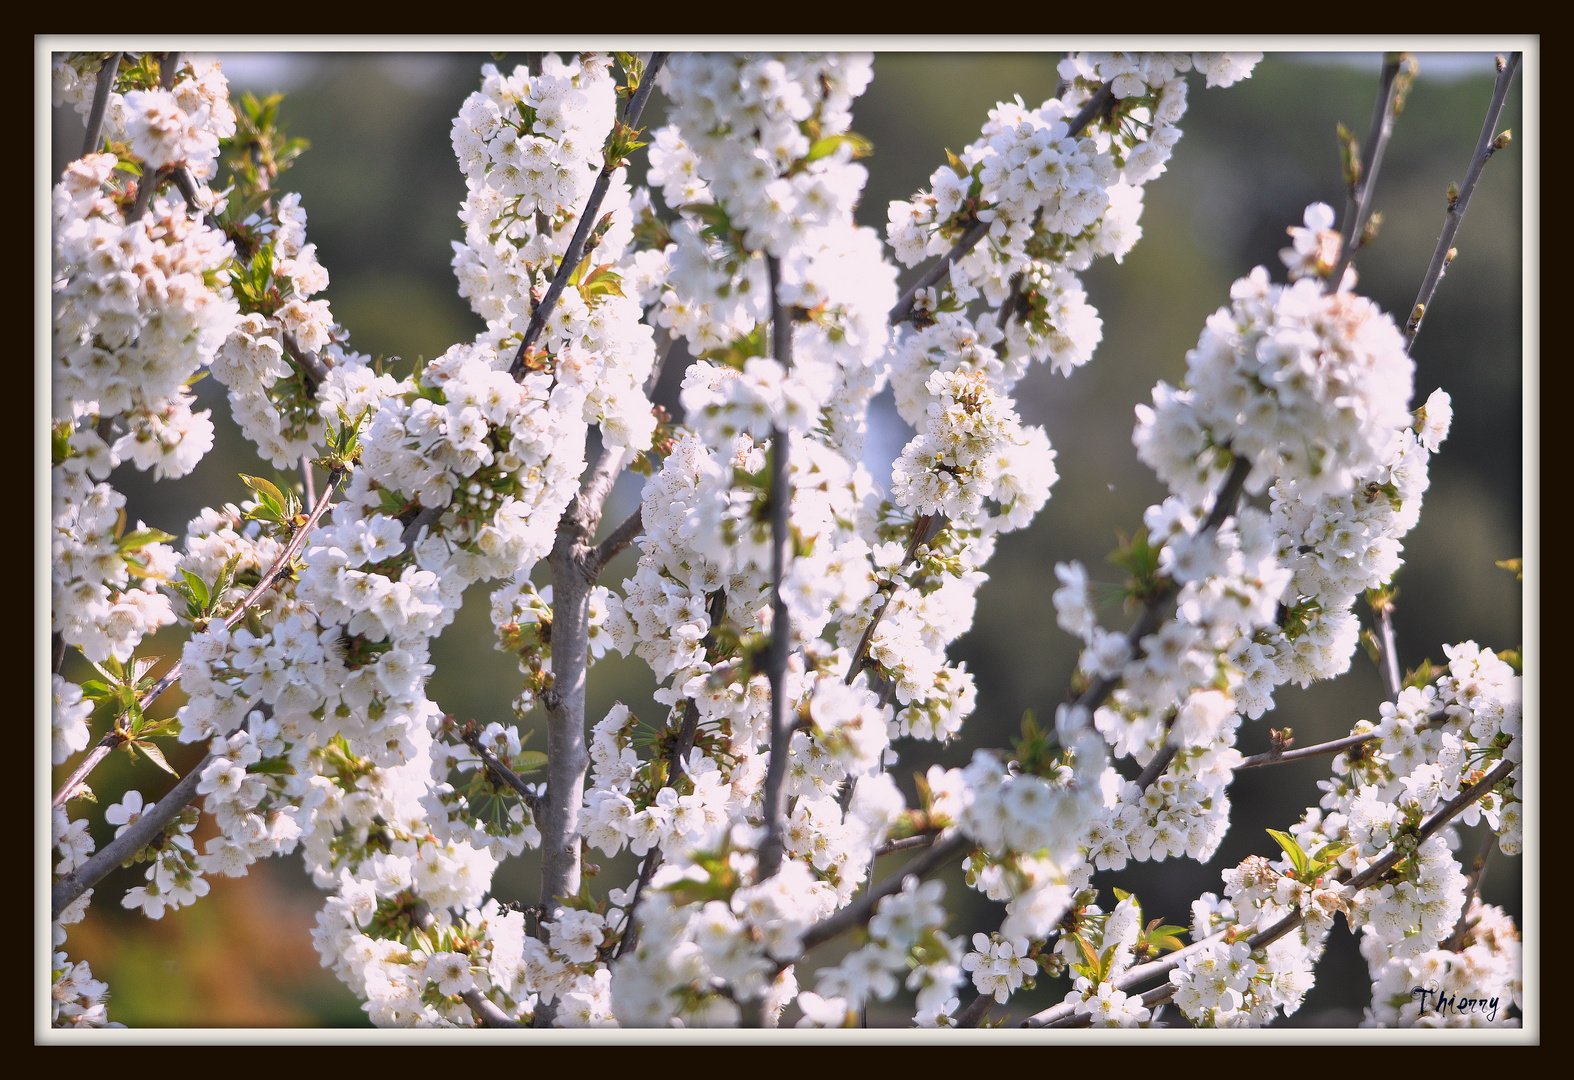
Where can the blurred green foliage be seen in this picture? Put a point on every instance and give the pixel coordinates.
(381, 190)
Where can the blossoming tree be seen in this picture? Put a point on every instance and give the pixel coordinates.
(795, 613)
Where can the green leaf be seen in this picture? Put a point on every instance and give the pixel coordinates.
(527, 761)
(1292, 848)
(1121, 894)
(1514, 566)
(827, 146)
(197, 589)
(141, 538)
(226, 577)
(271, 498)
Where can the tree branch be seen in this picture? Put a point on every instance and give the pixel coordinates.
(1358, 201)
(621, 537)
(775, 796)
(115, 738)
(861, 910)
(1486, 146)
(490, 1015)
(587, 220)
(501, 772)
(1274, 757)
(95, 119)
(1456, 942)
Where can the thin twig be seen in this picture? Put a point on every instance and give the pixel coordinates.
(1388, 651)
(499, 771)
(1337, 746)
(907, 843)
(1486, 146)
(115, 738)
(95, 119)
(1456, 942)
(1358, 203)
(587, 221)
(311, 365)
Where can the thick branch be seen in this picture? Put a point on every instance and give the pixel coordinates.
(115, 738)
(101, 92)
(587, 221)
(1486, 146)
(775, 796)
(491, 1016)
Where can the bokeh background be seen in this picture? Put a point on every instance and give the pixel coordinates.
(381, 190)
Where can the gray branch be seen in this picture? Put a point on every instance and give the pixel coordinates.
(95, 119)
(775, 795)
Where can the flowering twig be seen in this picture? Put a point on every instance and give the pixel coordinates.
(472, 739)
(687, 731)
(95, 118)
(1064, 1016)
(775, 796)
(938, 273)
(861, 910)
(587, 220)
(1488, 144)
(1274, 757)
(114, 738)
(925, 528)
(1152, 611)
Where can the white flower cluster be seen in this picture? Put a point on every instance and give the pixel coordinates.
(1052, 202)
(904, 938)
(1309, 386)
(134, 319)
(1472, 986)
(1112, 938)
(530, 147)
(179, 126)
(974, 449)
(271, 395)
(1338, 544)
